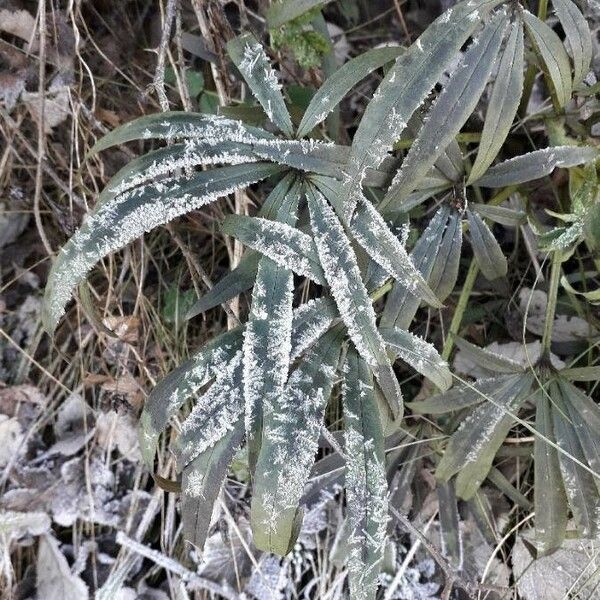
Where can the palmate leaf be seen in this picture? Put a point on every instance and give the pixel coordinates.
(201, 484)
(366, 485)
(472, 448)
(168, 395)
(536, 165)
(128, 216)
(290, 439)
(251, 59)
(267, 338)
(450, 111)
(503, 104)
(214, 414)
(420, 355)
(436, 255)
(350, 294)
(554, 56)
(405, 87)
(578, 35)
(285, 245)
(340, 82)
(488, 254)
(549, 498)
(582, 488)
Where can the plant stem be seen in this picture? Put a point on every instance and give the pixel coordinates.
(552, 300)
(463, 300)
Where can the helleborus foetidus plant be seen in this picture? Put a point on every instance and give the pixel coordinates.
(329, 218)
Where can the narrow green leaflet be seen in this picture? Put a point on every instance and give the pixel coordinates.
(580, 486)
(285, 245)
(311, 320)
(170, 393)
(405, 87)
(282, 11)
(489, 255)
(290, 440)
(578, 35)
(214, 414)
(253, 63)
(366, 485)
(450, 535)
(503, 104)
(229, 286)
(371, 231)
(351, 297)
(176, 125)
(553, 54)
(582, 403)
(509, 217)
(335, 88)
(128, 216)
(450, 111)
(487, 359)
(472, 448)
(420, 355)
(436, 255)
(581, 374)
(267, 338)
(536, 165)
(549, 498)
(201, 484)
(462, 396)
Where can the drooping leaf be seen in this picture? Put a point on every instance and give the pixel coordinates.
(366, 485)
(536, 165)
(371, 231)
(281, 12)
(420, 355)
(549, 498)
(552, 52)
(253, 63)
(201, 484)
(291, 430)
(214, 414)
(509, 217)
(285, 245)
(128, 216)
(335, 87)
(462, 396)
(489, 255)
(182, 383)
(404, 88)
(472, 448)
(503, 104)
(267, 339)
(170, 126)
(436, 255)
(579, 36)
(487, 359)
(450, 111)
(343, 276)
(582, 491)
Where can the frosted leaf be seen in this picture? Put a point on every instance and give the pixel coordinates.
(214, 414)
(351, 297)
(311, 320)
(366, 484)
(285, 245)
(128, 216)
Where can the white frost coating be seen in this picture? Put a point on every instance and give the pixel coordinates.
(214, 413)
(267, 340)
(311, 321)
(87, 247)
(287, 246)
(344, 279)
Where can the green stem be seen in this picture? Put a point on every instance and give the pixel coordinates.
(463, 301)
(552, 300)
